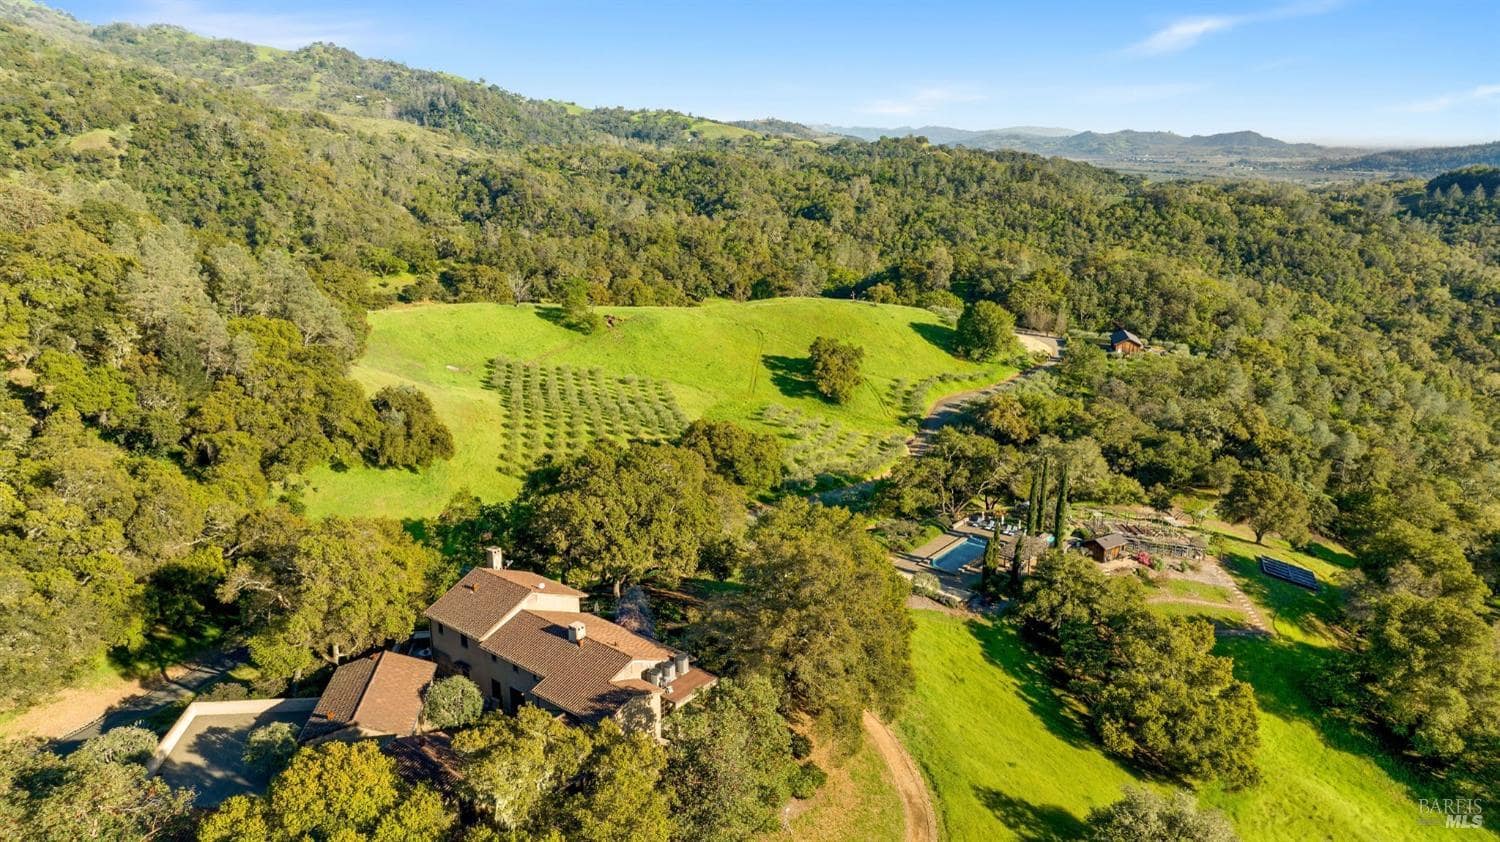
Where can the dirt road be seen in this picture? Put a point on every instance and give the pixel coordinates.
(78, 713)
(951, 408)
(921, 819)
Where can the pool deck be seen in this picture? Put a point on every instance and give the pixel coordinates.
(961, 584)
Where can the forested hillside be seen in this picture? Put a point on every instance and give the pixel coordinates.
(192, 231)
(1425, 160)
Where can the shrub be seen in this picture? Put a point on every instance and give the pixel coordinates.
(120, 745)
(807, 780)
(452, 702)
(224, 691)
(926, 584)
(270, 747)
(1142, 814)
(802, 746)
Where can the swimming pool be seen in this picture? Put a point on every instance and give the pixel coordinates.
(953, 558)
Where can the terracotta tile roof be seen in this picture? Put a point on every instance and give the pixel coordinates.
(532, 580)
(379, 693)
(688, 684)
(427, 759)
(479, 601)
(610, 634)
(576, 678)
(484, 596)
(335, 708)
(583, 685)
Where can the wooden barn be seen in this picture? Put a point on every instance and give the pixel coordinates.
(1124, 343)
(1106, 547)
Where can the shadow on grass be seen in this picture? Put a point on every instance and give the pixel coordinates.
(1004, 648)
(792, 376)
(1323, 552)
(552, 314)
(1286, 675)
(1031, 822)
(940, 335)
(187, 619)
(1311, 613)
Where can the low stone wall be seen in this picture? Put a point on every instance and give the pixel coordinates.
(239, 706)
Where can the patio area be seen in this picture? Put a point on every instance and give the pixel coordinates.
(204, 749)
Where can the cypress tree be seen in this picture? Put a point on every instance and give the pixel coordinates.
(1031, 503)
(991, 561)
(1041, 502)
(1060, 518)
(1015, 563)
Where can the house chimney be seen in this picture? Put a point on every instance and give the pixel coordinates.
(680, 660)
(494, 558)
(576, 632)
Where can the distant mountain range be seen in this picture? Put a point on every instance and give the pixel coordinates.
(1171, 154)
(337, 81)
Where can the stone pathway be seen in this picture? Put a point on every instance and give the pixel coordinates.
(1218, 576)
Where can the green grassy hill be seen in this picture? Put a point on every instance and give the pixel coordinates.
(739, 361)
(1008, 758)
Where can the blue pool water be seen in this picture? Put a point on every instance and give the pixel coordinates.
(955, 557)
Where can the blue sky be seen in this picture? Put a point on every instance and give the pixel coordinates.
(1366, 71)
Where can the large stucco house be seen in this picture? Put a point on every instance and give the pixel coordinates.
(524, 639)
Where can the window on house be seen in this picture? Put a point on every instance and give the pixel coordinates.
(493, 658)
(439, 628)
(463, 640)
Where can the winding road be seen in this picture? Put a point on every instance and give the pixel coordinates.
(950, 408)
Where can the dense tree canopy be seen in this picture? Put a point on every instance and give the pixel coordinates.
(1155, 692)
(741, 456)
(616, 515)
(334, 790)
(330, 591)
(985, 331)
(411, 435)
(821, 614)
(533, 775)
(185, 261)
(729, 762)
(1268, 503)
(100, 792)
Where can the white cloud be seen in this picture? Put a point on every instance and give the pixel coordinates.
(284, 30)
(1183, 33)
(1133, 94)
(921, 101)
(1478, 94)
